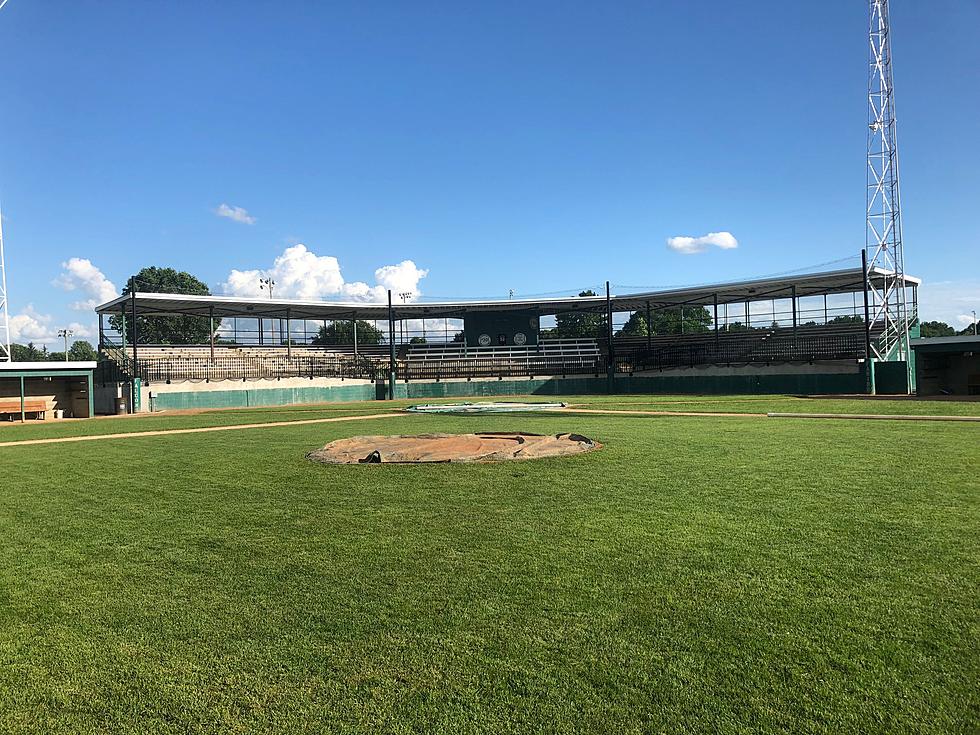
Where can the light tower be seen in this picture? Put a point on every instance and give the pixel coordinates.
(883, 236)
(4, 316)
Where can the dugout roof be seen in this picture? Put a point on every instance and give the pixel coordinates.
(811, 284)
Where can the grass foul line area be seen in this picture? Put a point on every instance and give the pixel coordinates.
(198, 430)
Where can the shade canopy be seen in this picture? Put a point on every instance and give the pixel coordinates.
(810, 284)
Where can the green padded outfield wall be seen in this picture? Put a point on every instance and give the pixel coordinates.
(248, 397)
(664, 384)
(502, 327)
(891, 377)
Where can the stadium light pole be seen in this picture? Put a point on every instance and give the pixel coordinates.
(66, 333)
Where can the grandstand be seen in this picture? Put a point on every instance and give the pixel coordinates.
(807, 333)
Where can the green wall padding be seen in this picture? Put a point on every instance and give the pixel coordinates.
(247, 397)
(666, 384)
(891, 377)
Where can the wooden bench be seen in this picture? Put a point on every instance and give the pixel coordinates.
(39, 408)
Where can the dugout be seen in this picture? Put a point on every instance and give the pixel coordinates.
(41, 389)
(947, 365)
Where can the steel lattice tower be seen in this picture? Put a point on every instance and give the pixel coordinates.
(4, 317)
(883, 238)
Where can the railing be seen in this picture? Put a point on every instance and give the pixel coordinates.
(174, 369)
(773, 346)
(497, 368)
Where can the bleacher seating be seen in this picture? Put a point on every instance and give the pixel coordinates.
(455, 359)
(834, 341)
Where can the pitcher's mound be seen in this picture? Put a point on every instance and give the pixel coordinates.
(486, 447)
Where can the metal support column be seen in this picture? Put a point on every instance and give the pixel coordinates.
(649, 329)
(869, 363)
(23, 416)
(211, 320)
(794, 318)
(101, 333)
(391, 350)
(611, 361)
(289, 336)
(748, 318)
(136, 335)
(122, 312)
(354, 330)
(261, 336)
(91, 394)
(715, 299)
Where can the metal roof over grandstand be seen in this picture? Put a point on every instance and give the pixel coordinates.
(810, 284)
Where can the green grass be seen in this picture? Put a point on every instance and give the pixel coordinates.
(15, 431)
(786, 404)
(696, 575)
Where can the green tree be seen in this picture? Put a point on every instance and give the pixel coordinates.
(342, 333)
(82, 351)
(579, 323)
(936, 329)
(167, 329)
(695, 320)
(847, 319)
(26, 353)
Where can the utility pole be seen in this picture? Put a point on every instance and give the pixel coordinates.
(267, 283)
(883, 231)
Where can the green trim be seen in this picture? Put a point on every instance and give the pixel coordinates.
(45, 373)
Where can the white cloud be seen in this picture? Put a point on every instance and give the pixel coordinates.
(299, 273)
(30, 326)
(237, 214)
(949, 301)
(80, 275)
(691, 245)
(401, 278)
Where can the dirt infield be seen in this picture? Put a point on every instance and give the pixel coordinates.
(423, 448)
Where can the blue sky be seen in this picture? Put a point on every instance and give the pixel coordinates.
(540, 147)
